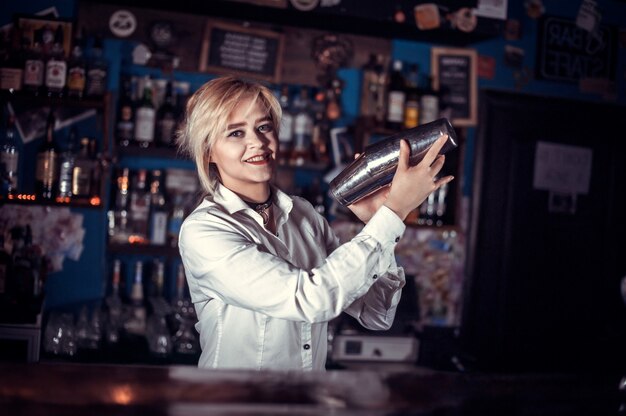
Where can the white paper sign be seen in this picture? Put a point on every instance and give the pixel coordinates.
(562, 168)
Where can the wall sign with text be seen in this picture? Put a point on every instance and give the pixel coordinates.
(567, 53)
(243, 51)
(454, 72)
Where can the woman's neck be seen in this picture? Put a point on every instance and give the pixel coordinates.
(257, 194)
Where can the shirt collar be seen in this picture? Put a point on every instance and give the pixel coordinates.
(233, 203)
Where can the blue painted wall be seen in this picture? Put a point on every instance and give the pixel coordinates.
(84, 279)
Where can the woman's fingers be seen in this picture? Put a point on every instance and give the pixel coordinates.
(405, 153)
(432, 153)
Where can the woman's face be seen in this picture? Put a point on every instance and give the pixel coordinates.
(245, 152)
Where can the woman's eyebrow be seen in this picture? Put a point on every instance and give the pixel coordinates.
(235, 125)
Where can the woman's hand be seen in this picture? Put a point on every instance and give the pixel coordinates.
(411, 185)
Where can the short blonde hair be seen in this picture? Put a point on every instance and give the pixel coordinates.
(206, 116)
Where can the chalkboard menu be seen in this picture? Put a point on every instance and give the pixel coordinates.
(242, 51)
(454, 72)
(567, 53)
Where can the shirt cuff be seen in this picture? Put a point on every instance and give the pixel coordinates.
(385, 226)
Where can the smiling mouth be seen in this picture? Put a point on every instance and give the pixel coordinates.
(259, 159)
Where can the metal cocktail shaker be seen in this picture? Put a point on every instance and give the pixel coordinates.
(375, 167)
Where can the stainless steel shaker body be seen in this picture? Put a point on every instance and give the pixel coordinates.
(375, 167)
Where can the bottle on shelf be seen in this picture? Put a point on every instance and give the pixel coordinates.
(114, 306)
(175, 220)
(145, 116)
(302, 128)
(156, 297)
(166, 119)
(285, 135)
(46, 174)
(97, 165)
(139, 209)
(136, 322)
(370, 88)
(76, 69)
(158, 210)
(83, 171)
(67, 160)
(56, 67)
(97, 70)
(34, 66)
(125, 123)
(9, 159)
(11, 62)
(118, 217)
(396, 96)
(411, 105)
(429, 103)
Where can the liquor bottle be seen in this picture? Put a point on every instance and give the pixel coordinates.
(369, 88)
(83, 171)
(136, 322)
(139, 209)
(34, 66)
(76, 69)
(411, 105)
(97, 71)
(156, 298)
(9, 159)
(158, 210)
(166, 119)
(125, 124)
(96, 171)
(396, 96)
(285, 135)
(429, 103)
(119, 227)
(56, 67)
(11, 62)
(175, 221)
(47, 159)
(302, 129)
(181, 304)
(113, 305)
(145, 117)
(67, 159)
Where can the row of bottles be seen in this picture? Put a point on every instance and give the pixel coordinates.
(143, 118)
(43, 66)
(139, 310)
(398, 97)
(143, 210)
(65, 168)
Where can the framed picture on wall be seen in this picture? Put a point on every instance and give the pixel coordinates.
(454, 73)
(244, 51)
(43, 28)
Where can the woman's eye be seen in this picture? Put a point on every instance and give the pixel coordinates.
(236, 133)
(265, 128)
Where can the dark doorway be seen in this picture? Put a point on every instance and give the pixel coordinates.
(544, 266)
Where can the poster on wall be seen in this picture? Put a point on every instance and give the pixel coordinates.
(248, 52)
(454, 72)
(568, 53)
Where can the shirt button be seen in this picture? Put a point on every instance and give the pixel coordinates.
(397, 239)
(307, 347)
(375, 276)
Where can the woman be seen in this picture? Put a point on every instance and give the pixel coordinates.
(265, 271)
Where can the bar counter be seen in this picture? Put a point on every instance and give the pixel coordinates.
(85, 389)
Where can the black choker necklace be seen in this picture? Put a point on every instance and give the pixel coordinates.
(262, 209)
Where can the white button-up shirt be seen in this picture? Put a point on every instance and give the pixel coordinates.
(263, 300)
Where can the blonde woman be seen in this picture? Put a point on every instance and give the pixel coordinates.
(265, 270)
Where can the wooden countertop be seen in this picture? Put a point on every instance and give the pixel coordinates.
(81, 389)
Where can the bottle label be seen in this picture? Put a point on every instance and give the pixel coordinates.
(46, 167)
(167, 126)
(430, 108)
(96, 81)
(65, 177)
(81, 181)
(76, 79)
(158, 228)
(411, 114)
(33, 73)
(11, 78)
(9, 161)
(56, 74)
(395, 110)
(144, 126)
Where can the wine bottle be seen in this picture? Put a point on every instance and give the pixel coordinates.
(47, 159)
(56, 67)
(145, 117)
(166, 119)
(9, 160)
